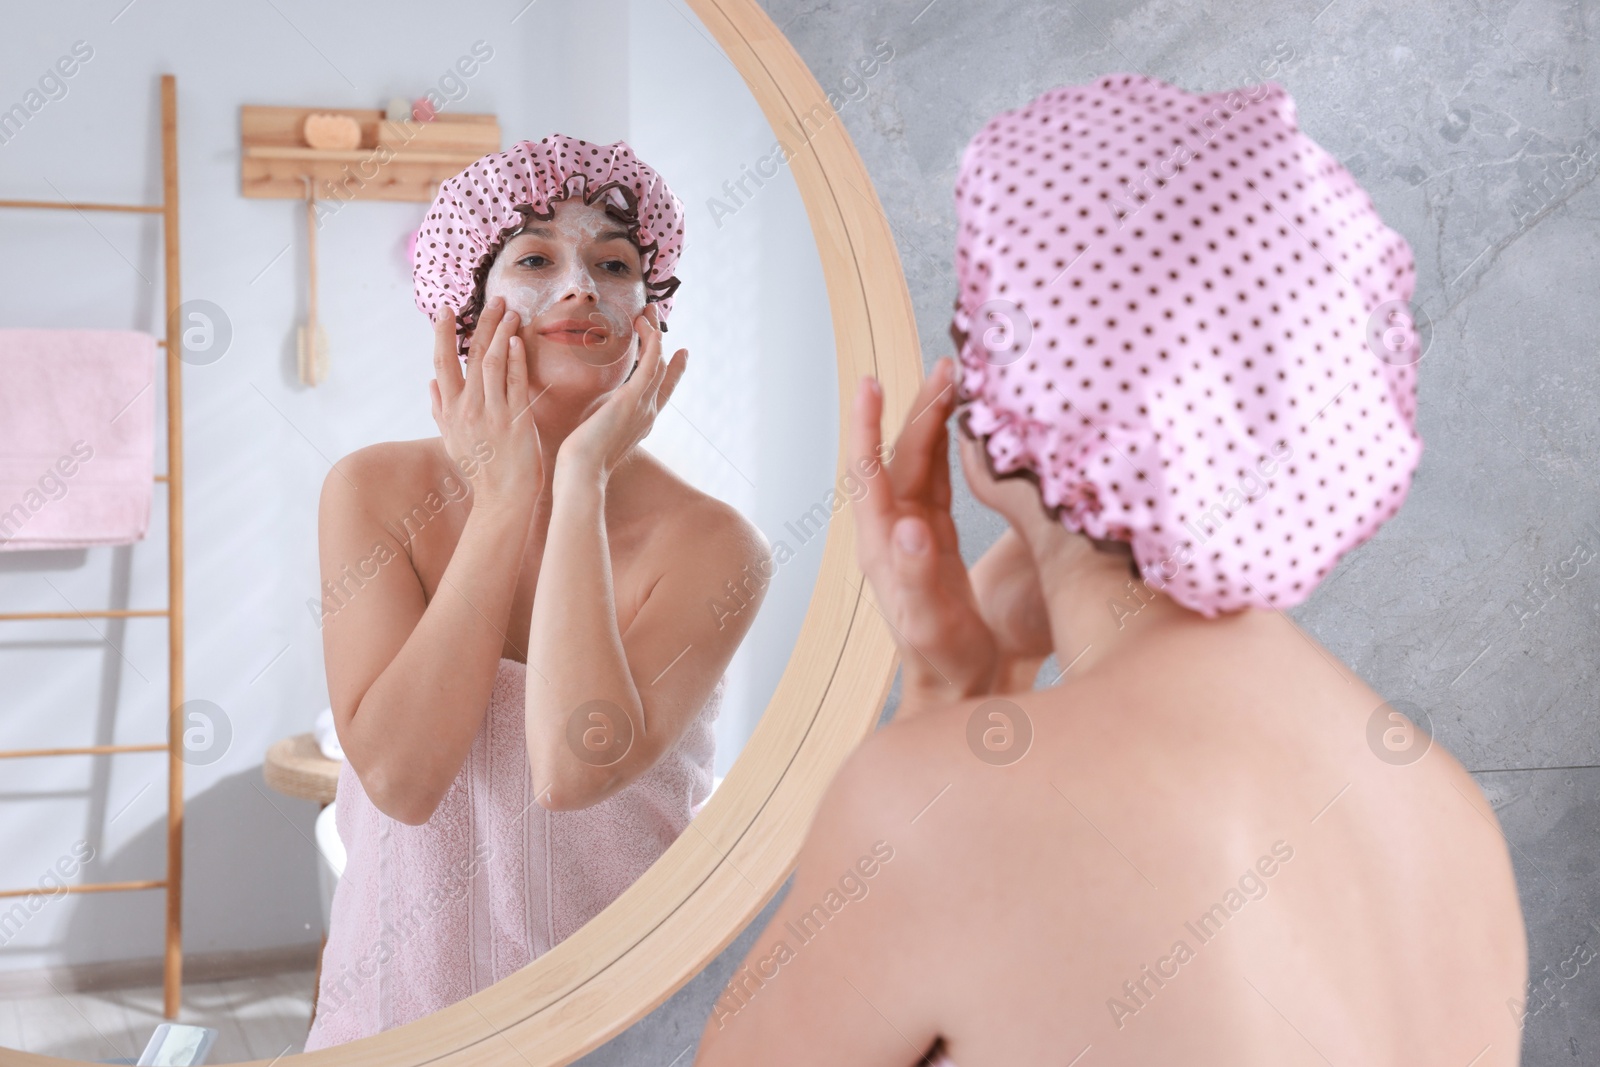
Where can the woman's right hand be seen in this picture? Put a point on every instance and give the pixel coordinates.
(906, 545)
(486, 416)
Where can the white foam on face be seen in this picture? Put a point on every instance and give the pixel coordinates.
(571, 268)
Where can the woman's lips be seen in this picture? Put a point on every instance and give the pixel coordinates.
(574, 332)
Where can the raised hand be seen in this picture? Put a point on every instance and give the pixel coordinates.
(484, 415)
(907, 546)
(601, 440)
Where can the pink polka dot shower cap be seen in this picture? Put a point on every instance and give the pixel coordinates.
(1185, 322)
(478, 210)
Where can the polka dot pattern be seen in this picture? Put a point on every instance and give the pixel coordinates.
(1163, 323)
(478, 210)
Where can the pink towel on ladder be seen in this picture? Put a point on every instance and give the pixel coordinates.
(76, 414)
(425, 916)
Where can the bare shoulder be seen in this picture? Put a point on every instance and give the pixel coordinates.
(898, 784)
(683, 521)
(976, 784)
(375, 474)
(957, 834)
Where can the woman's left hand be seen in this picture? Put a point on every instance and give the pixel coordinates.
(602, 439)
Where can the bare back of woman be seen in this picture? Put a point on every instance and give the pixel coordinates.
(1188, 852)
(1234, 875)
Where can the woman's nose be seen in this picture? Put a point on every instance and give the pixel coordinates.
(577, 285)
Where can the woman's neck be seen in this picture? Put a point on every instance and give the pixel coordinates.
(1096, 608)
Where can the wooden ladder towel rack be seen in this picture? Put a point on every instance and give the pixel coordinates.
(173, 882)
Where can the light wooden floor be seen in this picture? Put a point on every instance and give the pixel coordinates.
(260, 1017)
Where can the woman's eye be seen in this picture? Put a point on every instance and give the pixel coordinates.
(616, 266)
(532, 256)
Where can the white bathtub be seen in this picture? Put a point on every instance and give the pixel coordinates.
(331, 869)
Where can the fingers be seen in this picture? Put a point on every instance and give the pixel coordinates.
(919, 601)
(483, 330)
(482, 335)
(650, 373)
(492, 366)
(517, 376)
(939, 482)
(928, 591)
(907, 543)
(1000, 494)
(972, 464)
(674, 375)
(875, 509)
(915, 447)
(939, 493)
(446, 367)
(649, 334)
(939, 479)
(663, 369)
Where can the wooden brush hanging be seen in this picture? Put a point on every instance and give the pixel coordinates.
(311, 343)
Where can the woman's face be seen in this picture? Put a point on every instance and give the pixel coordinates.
(576, 285)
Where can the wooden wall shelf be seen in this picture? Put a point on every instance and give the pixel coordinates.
(396, 160)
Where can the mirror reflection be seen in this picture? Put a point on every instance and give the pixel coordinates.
(492, 555)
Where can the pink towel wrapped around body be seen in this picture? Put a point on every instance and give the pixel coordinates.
(76, 415)
(425, 916)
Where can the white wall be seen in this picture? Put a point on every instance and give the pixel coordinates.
(755, 422)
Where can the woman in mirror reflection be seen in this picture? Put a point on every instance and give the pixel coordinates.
(524, 658)
(1186, 381)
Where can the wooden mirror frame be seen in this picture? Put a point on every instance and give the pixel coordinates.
(740, 849)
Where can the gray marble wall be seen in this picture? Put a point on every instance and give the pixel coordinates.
(1470, 123)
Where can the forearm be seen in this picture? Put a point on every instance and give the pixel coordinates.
(922, 689)
(921, 693)
(424, 710)
(1018, 673)
(576, 648)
